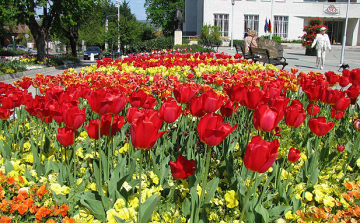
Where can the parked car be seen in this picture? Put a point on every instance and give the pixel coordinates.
(18, 47)
(93, 50)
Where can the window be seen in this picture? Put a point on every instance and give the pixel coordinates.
(281, 26)
(252, 22)
(222, 21)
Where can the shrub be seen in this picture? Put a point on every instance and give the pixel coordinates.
(210, 35)
(150, 45)
(275, 38)
(311, 30)
(12, 52)
(193, 48)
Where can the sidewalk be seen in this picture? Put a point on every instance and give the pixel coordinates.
(294, 54)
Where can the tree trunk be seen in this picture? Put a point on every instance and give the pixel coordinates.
(72, 33)
(39, 34)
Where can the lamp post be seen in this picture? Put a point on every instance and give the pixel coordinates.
(118, 5)
(232, 23)
(344, 37)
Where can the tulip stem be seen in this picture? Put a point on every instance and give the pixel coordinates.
(204, 182)
(140, 173)
(74, 154)
(247, 198)
(100, 163)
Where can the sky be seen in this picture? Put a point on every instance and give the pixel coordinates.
(137, 8)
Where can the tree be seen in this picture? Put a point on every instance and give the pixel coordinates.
(75, 13)
(23, 12)
(162, 13)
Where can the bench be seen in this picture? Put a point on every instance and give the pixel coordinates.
(209, 44)
(239, 48)
(262, 55)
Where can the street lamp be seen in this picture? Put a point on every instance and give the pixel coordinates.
(118, 5)
(232, 23)
(344, 37)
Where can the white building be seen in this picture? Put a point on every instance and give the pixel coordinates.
(289, 17)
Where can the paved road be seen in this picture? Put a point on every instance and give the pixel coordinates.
(297, 59)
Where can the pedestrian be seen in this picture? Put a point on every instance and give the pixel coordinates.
(246, 33)
(250, 41)
(322, 43)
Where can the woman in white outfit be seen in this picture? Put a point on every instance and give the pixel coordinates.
(322, 42)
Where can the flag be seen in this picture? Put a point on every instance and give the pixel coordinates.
(266, 27)
(270, 27)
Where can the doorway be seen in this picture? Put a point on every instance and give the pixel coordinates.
(335, 31)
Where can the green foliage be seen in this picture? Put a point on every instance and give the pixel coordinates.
(162, 13)
(12, 52)
(150, 45)
(275, 38)
(193, 48)
(210, 35)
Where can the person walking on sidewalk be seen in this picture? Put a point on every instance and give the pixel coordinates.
(322, 43)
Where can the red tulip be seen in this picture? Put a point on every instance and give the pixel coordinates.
(319, 126)
(312, 92)
(236, 93)
(170, 111)
(133, 113)
(337, 114)
(184, 93)
(98, 101)
(295, 114)
(356, 123)
(353, 92)
(294, 70)
(212, 131)
(342, 104)
(211, 101)
(93, 129)
(229, 108)
(150, 102)
(118, 122)
(182, 168)
(340, 148)
(65, 136)
(279, 102)
(332, 78)
(294, 155)
(10, 101)
(253, 97)
(355, 75)
(137, 98)
(144, 133)
(266, 118)
(118, 104)
(344, 81)
(196, 107)
(74, 117)
(4, 113)
(314, 108)
(260, 154)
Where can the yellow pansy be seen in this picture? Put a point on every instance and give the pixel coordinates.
(308, 196)
(56, 188)
(119, 204)
(231, 199)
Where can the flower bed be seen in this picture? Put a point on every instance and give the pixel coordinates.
(193, 137)
(14, 64)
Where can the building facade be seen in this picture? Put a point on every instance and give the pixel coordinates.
(288, 21)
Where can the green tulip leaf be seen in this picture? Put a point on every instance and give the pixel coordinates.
(185, 206)
(259, 209)
(148, 207)
(211, 188)
(93, 203)
(8, 166)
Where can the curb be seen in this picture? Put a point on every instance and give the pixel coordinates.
(35, 71)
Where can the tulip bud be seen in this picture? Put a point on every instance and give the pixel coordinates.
(340, 148)
(294, 155)
(356, 123)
